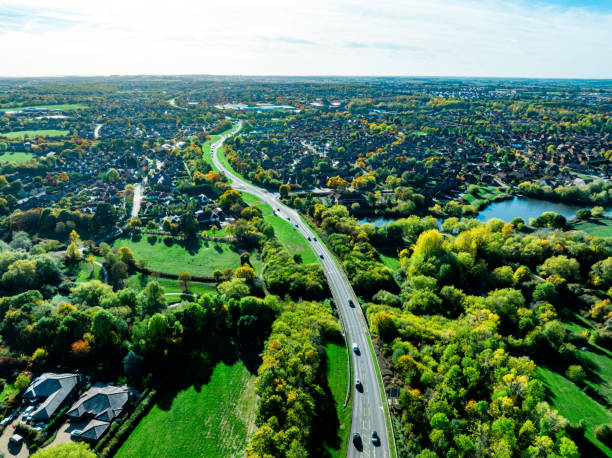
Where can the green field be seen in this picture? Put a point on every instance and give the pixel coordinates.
(62, 107)
(600, 227)
(214, 420)
(288, 235)
(34, 133)
(392, 262)
(166, 254)
(484, 192)
(139, 281)
(576, 403)
(250, 198)
(337, 378)
(19, 157)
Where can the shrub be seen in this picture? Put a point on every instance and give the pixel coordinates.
(576, 374)
(604, 433)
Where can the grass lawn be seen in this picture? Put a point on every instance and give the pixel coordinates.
(576, 403)
(288, 235)
(338, 377)
(484, 192)
(34, 133)
(19, 157)
(169, 255)
(600, 227)
(216, 420)
(8, 392)
(139, 281)
(63, 107)
(392, 262)
(83, 272)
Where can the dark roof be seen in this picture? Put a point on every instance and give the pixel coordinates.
(55, 388)
(103, 402)
(94, 430)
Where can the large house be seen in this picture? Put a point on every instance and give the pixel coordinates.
(97, 408)
(53, 390)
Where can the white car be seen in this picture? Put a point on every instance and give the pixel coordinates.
(355, 348)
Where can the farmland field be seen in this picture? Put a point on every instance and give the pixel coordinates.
(19, 157)
(214, 420)
(166, 254)
(34, 133)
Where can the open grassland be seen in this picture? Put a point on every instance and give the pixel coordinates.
(250, 198)
(215, 420)
(338, 377)
(589, 403)
(170, 255)
(289, 236)
(139, 281)
(19, 157)
(600, 227)
(34, 133)
(484, 192)
(61, 107)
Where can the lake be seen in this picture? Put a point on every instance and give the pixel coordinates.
(526, 207)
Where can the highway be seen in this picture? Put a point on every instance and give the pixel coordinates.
(368, 408)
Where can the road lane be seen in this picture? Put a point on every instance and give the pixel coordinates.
(368, 409)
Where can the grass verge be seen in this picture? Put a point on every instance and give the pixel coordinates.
(338, 376)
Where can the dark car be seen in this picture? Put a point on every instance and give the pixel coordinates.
(321, 256)
(314, 238)
(308, 238)
(375, 438)
(351, 303)
(358, 385)
(297, 225)
(357, 441)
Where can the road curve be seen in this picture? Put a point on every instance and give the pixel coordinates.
(368, 408)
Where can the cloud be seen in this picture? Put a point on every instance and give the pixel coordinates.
(439, 37)
(385, 46)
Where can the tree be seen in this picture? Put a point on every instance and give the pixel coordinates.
(127, 256)
(383, 325)
(157, 327)
(235, 288)
(184, 278)
(213, 230)
(217, 275)
(154, 297)
(104, 216)
(567, 268)
(284, 190)
(576, 374)
(246, 272)
(73, 255)
(119, 272)
(22, 382)
(66, 450)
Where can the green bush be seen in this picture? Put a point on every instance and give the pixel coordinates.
(604, 433)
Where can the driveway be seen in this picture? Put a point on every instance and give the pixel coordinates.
(7, 449)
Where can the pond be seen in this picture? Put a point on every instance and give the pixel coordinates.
(380, 221)
(526, 207)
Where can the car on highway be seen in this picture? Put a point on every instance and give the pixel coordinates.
(375, 438)
(309, 238)
(321, 256)
(358, 385)
(357, 441)
(355, 348)
(351, 303)
(296, 225)
(314, 239)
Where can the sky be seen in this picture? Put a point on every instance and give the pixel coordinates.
(541, 39)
